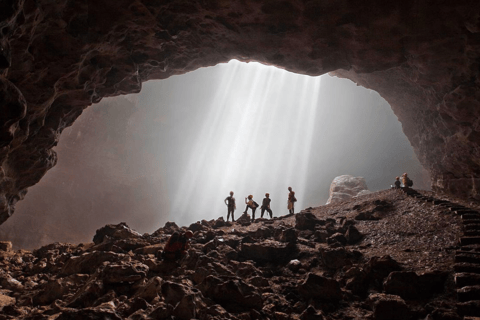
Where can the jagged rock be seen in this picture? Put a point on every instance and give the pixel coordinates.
(264, 232)
(125, 272)
(288, 235)
(318, 287)
(268, 250)
(378, 268)
(339, 257)
(337, 237)
(345, 187)
(402, 283)
(197, 226)
(89, 262)
(6, 301)
(96, 313)
(244, 219)
(388, 307)
(52, 290)
(321, 236)
(233, 295)
(5, 246)
(306, 220)
(311, 314)
(294, 265)
(115, 231)
(353, 235)
(219, 223)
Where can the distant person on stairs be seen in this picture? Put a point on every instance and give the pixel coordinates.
(266, 205)
(291, 201)
(230, 202)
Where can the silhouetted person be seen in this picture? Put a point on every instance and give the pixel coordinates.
(230, 202)
(177, 246)
(252, 205)
(291, 201)
(406, 181)
(266, 205)
(397, 183)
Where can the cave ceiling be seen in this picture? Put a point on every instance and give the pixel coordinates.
(59, 57)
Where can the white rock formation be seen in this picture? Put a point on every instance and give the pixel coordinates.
(346, 187)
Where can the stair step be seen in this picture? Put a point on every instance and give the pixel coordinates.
(471, 227)
(470, 216)
(472, 233)
(464, 241)
(463, 279)
(457, 208)
(473, 221)
(467, 267)
(470, 258)
(439, 201)
(468, 293)
(470, 308)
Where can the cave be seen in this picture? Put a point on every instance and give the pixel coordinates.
(57, 58)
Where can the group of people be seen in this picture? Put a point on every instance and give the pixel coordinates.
(230, 202)
(402, 182)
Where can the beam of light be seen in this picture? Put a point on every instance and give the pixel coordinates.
(255, 138)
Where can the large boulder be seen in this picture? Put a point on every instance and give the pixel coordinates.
(115, 231)
(318, 287)
(347, 186)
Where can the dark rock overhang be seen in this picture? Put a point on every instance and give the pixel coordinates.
(58, 57)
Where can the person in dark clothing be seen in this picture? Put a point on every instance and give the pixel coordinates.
(397, 183)
(230, 202)
(177, 246)
(252, 205)
(291, 201)
(266, 205)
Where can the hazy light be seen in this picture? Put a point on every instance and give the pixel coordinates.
(255, 138)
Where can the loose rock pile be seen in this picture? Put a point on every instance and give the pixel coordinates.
(306, 266)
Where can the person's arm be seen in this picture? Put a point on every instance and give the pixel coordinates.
(225, 201)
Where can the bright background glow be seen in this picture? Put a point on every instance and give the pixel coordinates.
(174, 151)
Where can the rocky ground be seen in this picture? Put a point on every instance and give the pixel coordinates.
(385, 255)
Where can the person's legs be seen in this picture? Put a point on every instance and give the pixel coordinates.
(263, 210)
(270, 212)
(253, 213)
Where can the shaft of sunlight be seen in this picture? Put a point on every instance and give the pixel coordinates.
(255, 138)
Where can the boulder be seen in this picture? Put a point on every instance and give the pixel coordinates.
(353, 235)
(5, 246)
(345, 187)
(306, 220)
(115, 231)
(268, 250)
(388, 307)
(402, 283)
(124, 272)
(335, 258)
(318, 287)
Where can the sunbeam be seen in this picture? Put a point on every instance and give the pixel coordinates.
(255, 139)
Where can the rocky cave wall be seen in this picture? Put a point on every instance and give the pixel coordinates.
(58, 57)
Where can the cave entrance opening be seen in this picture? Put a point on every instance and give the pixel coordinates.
(174, 151)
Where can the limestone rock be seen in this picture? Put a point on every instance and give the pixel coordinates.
(345, 187)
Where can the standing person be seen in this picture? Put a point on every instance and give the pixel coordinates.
(406, 181)
(177, 245)
(230, 202)
(291, 201)
(266, 205)
(252, 205)
(397, 183)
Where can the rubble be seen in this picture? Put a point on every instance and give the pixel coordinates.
(292, 268)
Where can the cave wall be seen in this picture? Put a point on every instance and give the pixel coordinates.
(57, 58)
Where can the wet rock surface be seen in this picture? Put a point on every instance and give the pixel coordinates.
(57, 58)
(271, 270)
